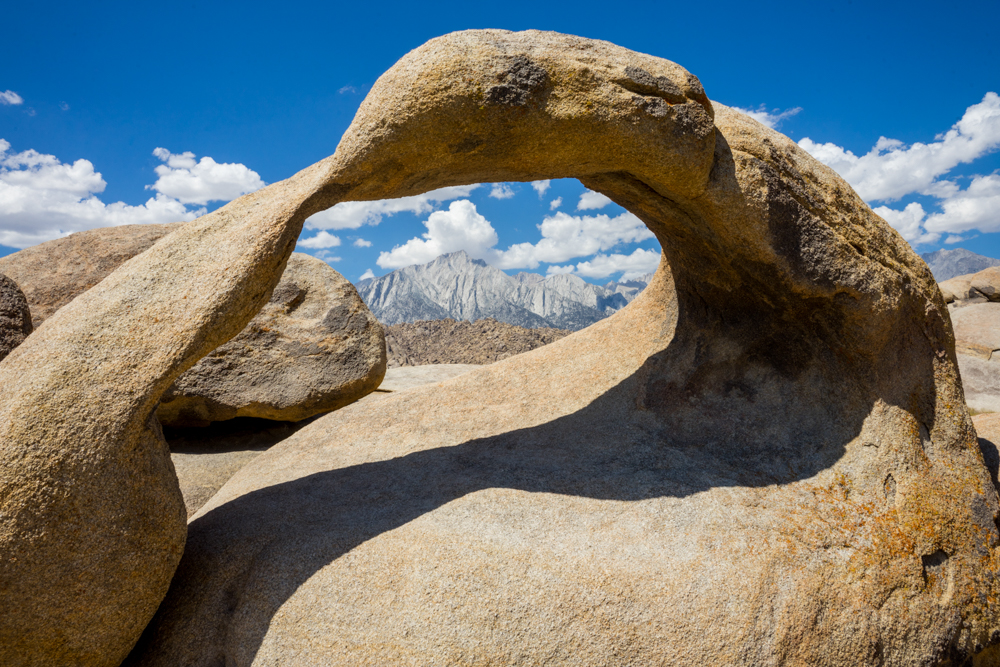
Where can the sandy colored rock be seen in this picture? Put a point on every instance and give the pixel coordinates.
(205, 458)
(987, 283)
(460, 342)
(313, 348)
(765, 459)
(93, 521)
(15, 317)
(53, 273)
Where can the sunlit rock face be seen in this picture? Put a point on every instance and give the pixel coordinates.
(764, 459)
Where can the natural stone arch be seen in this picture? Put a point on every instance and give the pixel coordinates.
(787, 293)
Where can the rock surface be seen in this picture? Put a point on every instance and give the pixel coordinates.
(15, 316)
(977, 343)
(93, 521)
(764, 459)
(450, 342)
(205, 458)
(457, 286)
(313, 348)
(53, 273)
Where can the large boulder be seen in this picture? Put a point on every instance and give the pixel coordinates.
(765, 459)
(313, 348)
(92, 522)
(53, 273)
(15, 316)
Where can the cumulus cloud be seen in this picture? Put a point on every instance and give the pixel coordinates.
(564, 237)
(567, 236)
(555, 203)
(367, 275)
(592, 200)
(199, 182)
(541, 187)
(770, 118)
(361, 243)
(634, 265)
(321, 240)
(354, 214)
(461, 227)
(892, 170)
(11, 98)
(42, 198)
(501, 191)
(347, 89)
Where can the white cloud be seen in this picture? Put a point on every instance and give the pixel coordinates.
(954, 239)
(501, 191)
(541, 187)
(347, 89)
(461, 227)
(42, 198)
(892, 170)
(191, 182)
(555, 203)
(361, 243)
(321, 240)
(326, 256)
(64, 106)
(10, 97)
(556, 270)
(634, 265)
(566, 236)
(354, 214)
(771, 118)
(592, 200)
(367, 275)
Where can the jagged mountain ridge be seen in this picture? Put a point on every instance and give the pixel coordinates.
(946, 264)
(462, 288)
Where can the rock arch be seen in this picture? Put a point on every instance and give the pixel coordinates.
(791, 339)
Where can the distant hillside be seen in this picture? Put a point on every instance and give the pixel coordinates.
(462, 288)
(946, 264)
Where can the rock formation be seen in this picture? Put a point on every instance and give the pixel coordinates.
(15, 317)
(93, 522)
(205, 458)
(450, 342)
(764, 459)
(53, 273)
(313, 348)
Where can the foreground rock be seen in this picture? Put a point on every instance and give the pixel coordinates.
(313, 348)
(93, 520)
(450, 342)
(764, 459)
(205, 458)
(53, 273)
(15, 317)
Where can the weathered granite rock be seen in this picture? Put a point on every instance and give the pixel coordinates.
(15, 316)
(93, 522)
(313, 348)
(53, 273)
(765, 459)
(205, 458)
(977, 343)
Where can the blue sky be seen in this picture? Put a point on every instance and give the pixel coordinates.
(239, 94)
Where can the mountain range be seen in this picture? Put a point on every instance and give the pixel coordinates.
(462, 288)
(946, 264)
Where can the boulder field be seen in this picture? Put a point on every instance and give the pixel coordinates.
(764, 459)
